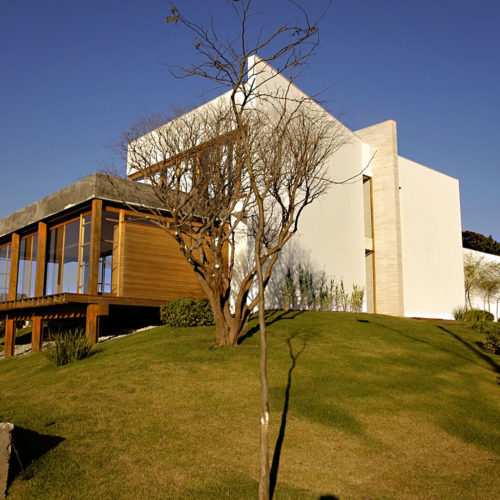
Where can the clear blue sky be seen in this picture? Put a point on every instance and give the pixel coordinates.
(75, 73)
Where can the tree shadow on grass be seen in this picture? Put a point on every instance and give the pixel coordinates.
(478, 353)
(27, 446)
(271, 317)
(486, 358)
(294, 356)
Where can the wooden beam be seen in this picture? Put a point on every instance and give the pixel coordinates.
(94, 311)
(36, 333)
(95, 245)
(10, 338)
(14, 265)
(40, 258)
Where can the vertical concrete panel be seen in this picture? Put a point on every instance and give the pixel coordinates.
(382, 139)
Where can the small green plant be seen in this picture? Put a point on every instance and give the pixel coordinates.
(187, 312)
(491, 331)
(356, 299)
(472, 315)
(303, 289)
(492, 342)
(289, 291)
(67, 346)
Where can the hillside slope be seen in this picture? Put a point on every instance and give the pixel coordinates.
(363, 406)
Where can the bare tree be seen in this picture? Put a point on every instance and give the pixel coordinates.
(472, 275)
(482, 277)
(242, 167)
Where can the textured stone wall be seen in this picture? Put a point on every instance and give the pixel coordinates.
(382, 139)
(5, 449)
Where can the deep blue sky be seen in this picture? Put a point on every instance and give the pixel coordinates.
(74, 74)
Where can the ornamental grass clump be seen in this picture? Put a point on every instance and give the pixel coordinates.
(67, 346)
(472, 315)
(187, 312)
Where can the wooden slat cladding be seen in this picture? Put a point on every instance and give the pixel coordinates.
(152, 266)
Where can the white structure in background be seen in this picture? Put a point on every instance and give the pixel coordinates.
(479, 301)
(393, 228)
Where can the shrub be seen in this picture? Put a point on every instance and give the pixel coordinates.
(187, 312)
(491, 331)
(472, 315)
(492, 342)
(67, 346)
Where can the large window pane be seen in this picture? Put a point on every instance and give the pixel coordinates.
(27, 267)
(53, 272)
(70, 259)
(108, 231)
(85, 254)
(4, 271)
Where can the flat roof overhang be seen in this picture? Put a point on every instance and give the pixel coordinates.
(96, 186)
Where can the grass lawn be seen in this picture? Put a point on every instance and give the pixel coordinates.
(363, 406)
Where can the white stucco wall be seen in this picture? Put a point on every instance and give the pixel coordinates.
(479, 301)
(433, 278)
(331, 230)
(330, 234)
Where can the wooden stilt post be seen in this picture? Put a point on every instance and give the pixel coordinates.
(10, 338)
(36, 333)
(94, 311)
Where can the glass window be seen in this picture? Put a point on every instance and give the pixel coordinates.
(109, 229)
(53, 273)
(85, 255)
(26, 273)
(139, 219)
(68, 257)
(5, 253)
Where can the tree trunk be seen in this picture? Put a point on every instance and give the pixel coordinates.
(264, 404)
(264, 482)
(228, 329)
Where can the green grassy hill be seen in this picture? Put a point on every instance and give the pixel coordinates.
(375, 407)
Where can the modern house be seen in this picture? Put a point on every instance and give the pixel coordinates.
(84, 253)
(393, 228)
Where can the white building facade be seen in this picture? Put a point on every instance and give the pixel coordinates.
(394, 227)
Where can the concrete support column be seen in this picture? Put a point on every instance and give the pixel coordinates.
(10, 338)
(36, 333)
(94, 311)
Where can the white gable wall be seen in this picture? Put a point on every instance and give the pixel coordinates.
(330, 234)
(433, 278)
